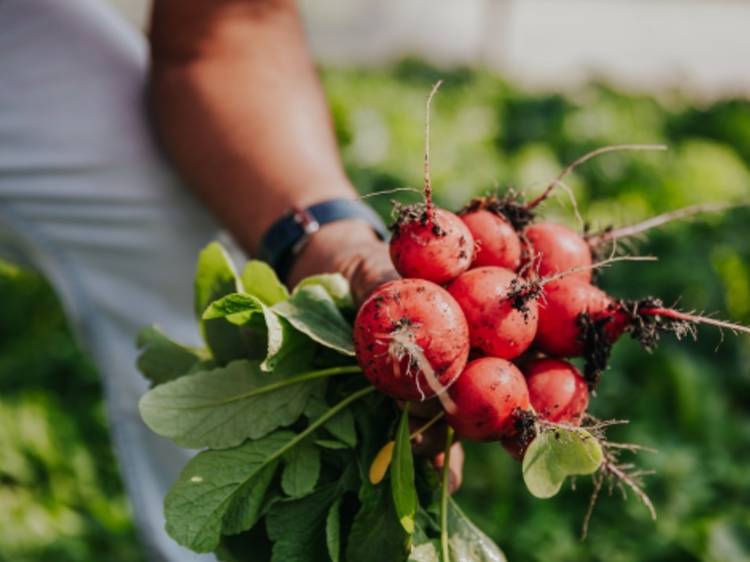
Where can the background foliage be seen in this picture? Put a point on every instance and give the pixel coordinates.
(59, 490)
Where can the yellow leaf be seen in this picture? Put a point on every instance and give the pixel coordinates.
(382, 461)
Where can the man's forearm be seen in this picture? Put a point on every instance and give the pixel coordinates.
(238, 106)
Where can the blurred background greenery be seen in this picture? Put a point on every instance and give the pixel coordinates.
(60, 495)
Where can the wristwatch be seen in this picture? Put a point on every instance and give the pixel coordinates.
(286, 238)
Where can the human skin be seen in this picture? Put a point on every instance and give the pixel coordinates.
(238, 106)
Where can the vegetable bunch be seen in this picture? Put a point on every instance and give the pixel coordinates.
(304, 459)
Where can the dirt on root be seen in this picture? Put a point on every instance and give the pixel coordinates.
(410, 214)
(646, 329)
(511, 206)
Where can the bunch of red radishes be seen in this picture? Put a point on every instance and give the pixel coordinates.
(490, 305)
(471, 285)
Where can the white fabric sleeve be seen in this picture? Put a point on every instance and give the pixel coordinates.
(87, 198)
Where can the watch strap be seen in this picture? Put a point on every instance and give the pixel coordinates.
(286, 238)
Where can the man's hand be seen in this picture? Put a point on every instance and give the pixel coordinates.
(432, 443)
(350, 248)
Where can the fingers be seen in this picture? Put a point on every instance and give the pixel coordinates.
(367, 270)
(432, 440)
(427, 443)
(351, 248)
(455, 466)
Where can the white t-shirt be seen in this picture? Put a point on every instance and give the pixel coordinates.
(86, 197)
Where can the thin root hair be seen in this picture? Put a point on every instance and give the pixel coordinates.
(429, 207)
(389, 192)
(609, 234)
(402, 346)
(585, 158)
(623, 476)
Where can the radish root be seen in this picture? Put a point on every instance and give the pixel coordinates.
(569, 191)
(694, 319)
(616, 474)
(612, 472)
(521, 291)
(429, 206)
(597, 265)
(610, 234)
(402, 345)
(585, 158)
(390, 192)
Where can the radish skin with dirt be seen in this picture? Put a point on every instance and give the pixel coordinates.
(557, 390)
(563, 302)
(554, 248)
(496, 241)
(498, 324)
(411, 339)
(431, 244)
(488, 396)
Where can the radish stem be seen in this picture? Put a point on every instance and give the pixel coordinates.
(444, 494)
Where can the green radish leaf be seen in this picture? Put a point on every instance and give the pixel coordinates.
(302, 470)
(333, 531)
(162, 359)
(334, 284)
(466, 542)
(341, 426)
(206, 497)
(376, 534)
(283, 341)
(331, 444)
(249, 503)
(297, 527)
(402, 476)
(312, 311)
(240, 309)
(221, 408)
(261, 281)
(235, 548)
(215, 277)
(237, 308)
(555, 454)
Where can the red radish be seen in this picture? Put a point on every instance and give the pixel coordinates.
(496, 240)
(559, 329)
(576, 318)
(411, 339)
(559, 249)
(498, 324)
(435, 246)
(430, 243)
(557, 390)
(487, 396)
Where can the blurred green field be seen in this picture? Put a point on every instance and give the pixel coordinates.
(60, 496)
